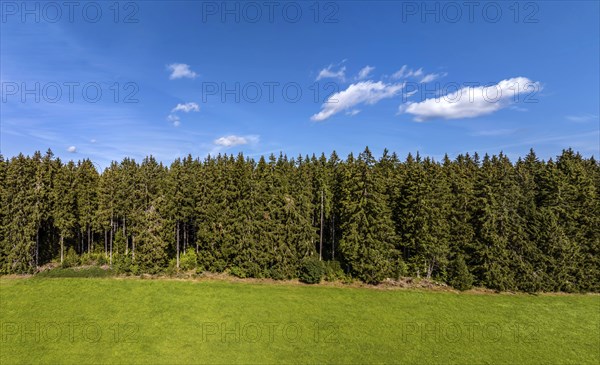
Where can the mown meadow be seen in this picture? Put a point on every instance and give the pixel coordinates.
(169, 321)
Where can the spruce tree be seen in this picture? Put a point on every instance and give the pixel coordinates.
(151, 247)
(461, 278)
(65, 206)
(368, 241)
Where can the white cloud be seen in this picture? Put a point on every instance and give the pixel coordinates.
(181, 70)
(331, 74)
(352, 112)
(186, 108)
(405, 72)
(365, 92)
(92, 140)
(410, 93)
(581, 118)
(72, 149)
(417, 73)
(470, 102)
(431, 77)
(364, 73)
(400, 73)
(233, 140)
(174, 119)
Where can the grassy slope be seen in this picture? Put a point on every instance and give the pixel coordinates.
(172, 321)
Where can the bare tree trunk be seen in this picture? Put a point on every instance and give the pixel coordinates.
(111, 244)
(321, 230)
(88, 239)
(333, 236)
(126, 240)
(133, 247)
(177, 234)
(37, 247)
(312, 240)
(195, 239)
(105, 242)
(113, 231)
(430, 267)
(184, 237)
(62, 248)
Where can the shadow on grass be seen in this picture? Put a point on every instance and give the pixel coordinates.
(88, 272)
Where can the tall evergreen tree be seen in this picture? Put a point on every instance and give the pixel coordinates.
(19, 245)
(369, 242)
(65, 206)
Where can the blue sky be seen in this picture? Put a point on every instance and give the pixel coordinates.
(337, 76)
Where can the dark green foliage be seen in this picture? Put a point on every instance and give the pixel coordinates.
(151, 255)
(71, 259)
(311, 271)
(528, 226)
(122, 264)
(369, 242)
(280, 273)
(461, 279)
(333, 270)
(237, 272)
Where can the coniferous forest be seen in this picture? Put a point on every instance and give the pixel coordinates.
(526, 225)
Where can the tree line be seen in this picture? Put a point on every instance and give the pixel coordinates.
(531, 225)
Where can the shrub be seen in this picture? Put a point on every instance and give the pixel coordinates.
(278, 272)
(333, 270)
(311, 271)
(189, 260)
(71, 259)
(401, 269)
(347, 279)
(87, 258)
(461, 278)
(254, 270)
(122, 263)
(219, 265)
(101, 260)
(172, 267)
(237, 272)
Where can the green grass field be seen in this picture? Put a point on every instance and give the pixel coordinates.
(109, 320)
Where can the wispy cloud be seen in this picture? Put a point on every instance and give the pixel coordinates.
(174, 119)
(181, 70)
(405, 72)
(365, 92)
(330, 73)
(470, 102)
(432, 77)
(582, 118)
(400, 73)
(494, 132)
(185, 108)
(72, 149)
(364, 72)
